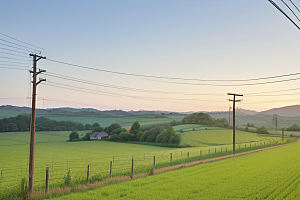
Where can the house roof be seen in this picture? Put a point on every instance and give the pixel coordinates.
(99, 134)
(127, 128)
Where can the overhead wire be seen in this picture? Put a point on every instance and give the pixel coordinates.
(122, 87)
(17, 48)
(130, 96)
(13, 58)
(295, 5)
(163, 77)
(13, 50)
(239, 85)
(21, 45)
(14, 54)
(13, 68)
(271, 91)
(290, 9)
(21, 41)
(278, 8)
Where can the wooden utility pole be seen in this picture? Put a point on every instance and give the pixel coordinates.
(233, 120)
(229, 115)
(32, 126)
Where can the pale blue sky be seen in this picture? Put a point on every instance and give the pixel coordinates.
(233, 39)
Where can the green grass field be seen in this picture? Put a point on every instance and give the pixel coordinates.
(270, 174)
(197, 127)
(53, 151)
(219, 137)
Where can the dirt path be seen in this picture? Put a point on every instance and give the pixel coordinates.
(157, 171)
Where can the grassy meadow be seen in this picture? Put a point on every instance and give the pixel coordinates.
(60, 156)
(217, 137)
(270, 174)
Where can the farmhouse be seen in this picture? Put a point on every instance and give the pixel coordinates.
(98, 135)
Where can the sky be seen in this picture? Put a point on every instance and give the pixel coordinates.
(203, 40)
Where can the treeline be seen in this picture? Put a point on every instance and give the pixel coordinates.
(161, 133)
(205, 119)
(295, 127)
(22, 123)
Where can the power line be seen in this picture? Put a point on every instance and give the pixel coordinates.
(278, 8)
(137, 97)
(13, 62)
(121, 87)
(295, 5)
(273, 91)
(13, 65)
(290, 9)
(20, 41)
(164, 77)
(14, 54)
(21, 45)
(273, 101)
(239, 85)
(273, 95)
(13, 50)
(13, 58)
(17, 48)
(13, 68)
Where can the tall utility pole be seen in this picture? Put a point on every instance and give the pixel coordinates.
(275, 123)
(233, 120)
(32, 126)
(229, 115)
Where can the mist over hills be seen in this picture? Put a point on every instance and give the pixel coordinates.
(10, 111)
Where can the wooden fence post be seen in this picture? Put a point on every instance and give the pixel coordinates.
(239, 146)
(154, 161)
(245, 146)
(181, 153)
(282, 134)
(88, 174)
(200, 154)
(144, 156)
(171, 158)
(47, 179)
(132, 168)
(110, 170)
(113, 159)
(188, 154)
(209, 152)
(215, 150)
(221, 150)
(226, 149)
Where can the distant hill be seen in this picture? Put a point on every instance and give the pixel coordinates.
(287, 111)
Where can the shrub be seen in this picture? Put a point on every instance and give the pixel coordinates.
(73, 135)
(262, 130)
(67, 178)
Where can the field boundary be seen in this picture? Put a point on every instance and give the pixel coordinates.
(82, 188)
(160, 170)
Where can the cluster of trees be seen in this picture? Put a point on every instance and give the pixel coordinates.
(295, 127)
(203, 118)
(22, 123)
(158, 133)
(262, 130)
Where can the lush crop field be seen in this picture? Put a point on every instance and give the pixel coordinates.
(219, 137)
(53, 151)
(270, 174)
(191, 127)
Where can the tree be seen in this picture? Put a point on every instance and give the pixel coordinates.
(87, 127)
(135, 128)
(73, 135)
(97, 129)
(262, 130)
(118, 131)
(111, 127)
(95, 125)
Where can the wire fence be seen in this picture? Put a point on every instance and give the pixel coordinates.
(72, 172)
